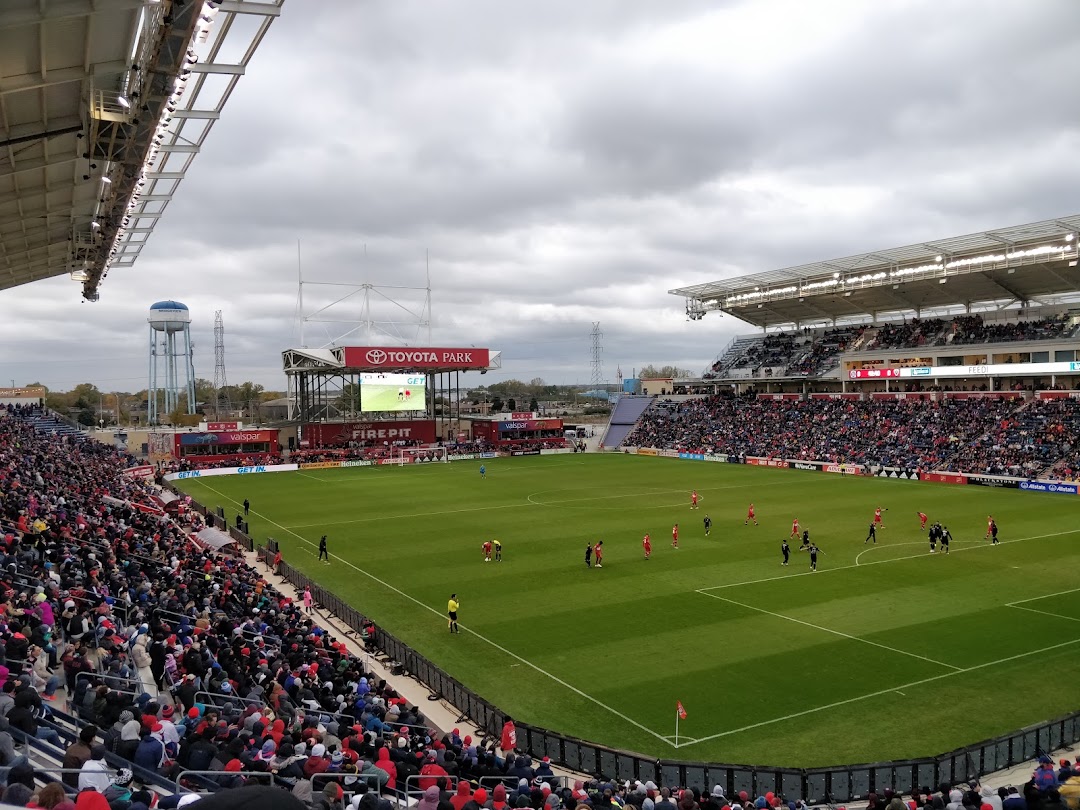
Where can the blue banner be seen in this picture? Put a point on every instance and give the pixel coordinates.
(1046, 486)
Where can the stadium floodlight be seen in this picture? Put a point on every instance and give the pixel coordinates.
(123, 102)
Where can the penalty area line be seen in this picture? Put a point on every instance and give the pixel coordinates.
(880, 692)
(830, 630)
(922, 556)
(477, 635)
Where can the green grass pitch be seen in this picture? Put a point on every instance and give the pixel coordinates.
(886, 652)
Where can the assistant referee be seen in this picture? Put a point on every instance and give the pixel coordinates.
(451, 611)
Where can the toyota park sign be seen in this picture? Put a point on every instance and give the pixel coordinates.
(420, 358)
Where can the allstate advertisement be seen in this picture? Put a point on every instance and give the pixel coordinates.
(1048, 486)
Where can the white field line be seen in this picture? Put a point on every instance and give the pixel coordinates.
(923, 556)
(906, 543)
(486, 640)
(1037, 598)
(880, 692)
(830, 630)
(1045, 613)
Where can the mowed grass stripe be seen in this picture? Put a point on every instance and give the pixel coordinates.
(636, 636)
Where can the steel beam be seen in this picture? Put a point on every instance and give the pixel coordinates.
(213, 67)
(207, 115)
(35, 81)
(263, 9)
(54, 11)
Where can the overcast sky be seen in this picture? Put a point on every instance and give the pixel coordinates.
(564, 162)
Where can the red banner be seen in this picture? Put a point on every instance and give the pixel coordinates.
(901, 395)
(385, 358)
(982, 395)
(1057, 395)
(767, 462)
(531, 424)
(944, 477)
(337, 433)
(873, 373)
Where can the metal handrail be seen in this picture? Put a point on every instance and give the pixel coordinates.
(255, 701)
(105, 677)
(214, 775)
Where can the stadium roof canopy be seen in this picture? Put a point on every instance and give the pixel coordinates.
(1024, 263)
(103, 106)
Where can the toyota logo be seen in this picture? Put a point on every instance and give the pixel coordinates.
(376, 357)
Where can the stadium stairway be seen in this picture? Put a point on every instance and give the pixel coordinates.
(438, 711)
(626, 414)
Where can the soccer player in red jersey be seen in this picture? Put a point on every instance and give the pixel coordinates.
(750, 516)
(646, 543)
(877, 518)
(922, 520)
(795, 527)
(693, 499)
(487, 551)
(598, 553)
(675, 536)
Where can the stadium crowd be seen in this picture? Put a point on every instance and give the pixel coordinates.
(981, 435)
(181, 659)
(809, 352)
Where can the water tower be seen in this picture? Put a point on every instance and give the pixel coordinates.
(170, 343)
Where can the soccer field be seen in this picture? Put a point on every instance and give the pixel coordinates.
(886, 652)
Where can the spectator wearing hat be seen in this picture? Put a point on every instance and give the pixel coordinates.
(118, 793)
(77, 754)
(329, 798)
(385, 764)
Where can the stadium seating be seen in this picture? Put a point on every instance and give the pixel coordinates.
(813, 352)
(184, 660)
(626, 413)
(990, 436)
(185, 670)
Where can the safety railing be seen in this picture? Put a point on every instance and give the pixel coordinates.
(835, 784)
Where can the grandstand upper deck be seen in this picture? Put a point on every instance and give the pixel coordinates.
(1034, 263)
(819, 352)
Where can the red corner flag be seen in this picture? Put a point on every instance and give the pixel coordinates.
(679, 708)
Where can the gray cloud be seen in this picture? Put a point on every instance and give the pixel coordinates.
(566, 162)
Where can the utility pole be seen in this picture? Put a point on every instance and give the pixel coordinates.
(597, 338)
(220, 382)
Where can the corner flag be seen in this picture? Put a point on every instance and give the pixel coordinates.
(679, 708)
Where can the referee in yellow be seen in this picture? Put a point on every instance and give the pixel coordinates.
(451, 611)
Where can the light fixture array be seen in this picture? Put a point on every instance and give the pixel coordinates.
(200, 34)
(898, 274)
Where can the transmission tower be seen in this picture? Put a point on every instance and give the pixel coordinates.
(597, 337)
(220, 382)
